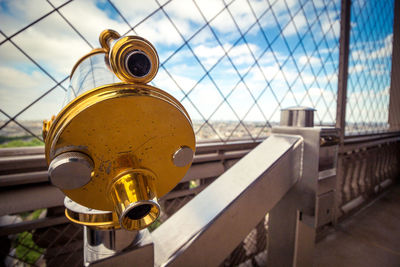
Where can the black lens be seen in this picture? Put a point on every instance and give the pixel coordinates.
(138, 64)
(139, 212)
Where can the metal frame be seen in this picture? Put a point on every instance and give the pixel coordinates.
(344, 43)
(292, 222)
(394, 100)
(23, 172)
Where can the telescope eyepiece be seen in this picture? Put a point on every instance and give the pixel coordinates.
(138, 64)
(139, 212)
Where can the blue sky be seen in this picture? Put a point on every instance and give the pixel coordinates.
(287, 39)
(370, 61)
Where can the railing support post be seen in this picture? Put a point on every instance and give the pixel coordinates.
(344, 44)
(394, 104)
(343, 67)
(292, 222)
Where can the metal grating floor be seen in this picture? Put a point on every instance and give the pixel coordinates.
(370, 237)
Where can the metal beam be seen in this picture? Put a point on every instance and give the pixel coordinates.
(394, 102)
(343, 67)
(32, 225)
(29, 198)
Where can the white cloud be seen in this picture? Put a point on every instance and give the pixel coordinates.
(271, 57)
(380, 69)
(90, 20)
(356, 68)
(362, 53)
(15, 15)
(309, 60)
(52, 42)
(240, 54)
(164, 82)
(19, 89)
(368, 106)
(208, 8)
(283, 76)
(331, 30)
(296, 24)
(208, 55)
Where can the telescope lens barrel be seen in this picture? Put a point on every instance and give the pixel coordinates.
(134, 199)
(138, 64)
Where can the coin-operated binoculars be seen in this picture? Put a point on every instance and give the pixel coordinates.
(118, 144)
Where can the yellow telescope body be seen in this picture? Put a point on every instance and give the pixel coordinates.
(118, 144)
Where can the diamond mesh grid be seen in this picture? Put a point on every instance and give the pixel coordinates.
(233, 64)
(371, 38)
(57, 245)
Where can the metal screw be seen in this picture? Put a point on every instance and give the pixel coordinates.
(183, 156)
(70, 170)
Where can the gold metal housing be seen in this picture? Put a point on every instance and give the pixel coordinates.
(120, 52)
(123, 127)
(134, 199)
(138, 139)
(106, 37)
(97, 219)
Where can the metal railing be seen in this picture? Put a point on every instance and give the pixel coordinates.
(367, 166)
(27, 186)
(241, 192)
(29, 189)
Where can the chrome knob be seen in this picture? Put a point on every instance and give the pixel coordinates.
(70, 170)
(183, 156)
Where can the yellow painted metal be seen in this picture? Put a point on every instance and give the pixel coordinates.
(133, 193)
(46, 126)
(106, 37)
(116, 55)
(122, 126)
(99, 220)
(120, 51)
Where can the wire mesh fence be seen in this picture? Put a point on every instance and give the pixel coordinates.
(62, 244)
(371, 38)
(56, 245)
(233, 64)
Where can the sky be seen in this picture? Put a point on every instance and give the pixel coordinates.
(224, 60)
